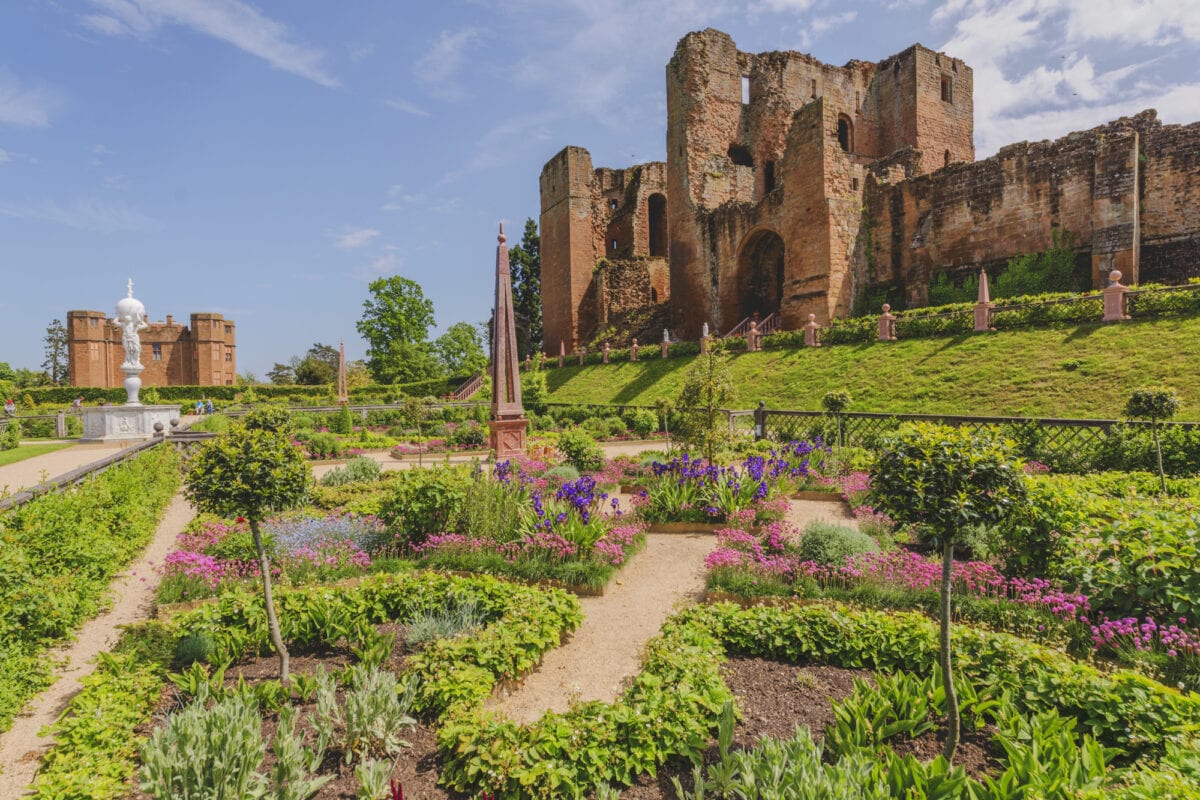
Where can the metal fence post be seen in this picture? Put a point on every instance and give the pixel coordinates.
(760, 421)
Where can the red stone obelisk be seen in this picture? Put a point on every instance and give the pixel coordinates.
(343, 393)
(508, 422)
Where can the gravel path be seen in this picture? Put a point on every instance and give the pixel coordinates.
(32, 471)
(606, 650)
(132, 593)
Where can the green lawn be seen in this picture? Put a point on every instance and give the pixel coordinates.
(1079, 371)
(29, 451)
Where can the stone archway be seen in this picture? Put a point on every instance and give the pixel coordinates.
(760, 274)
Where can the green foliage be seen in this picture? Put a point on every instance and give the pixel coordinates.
(324, 445)
(359, 469)
(835, 402)
(269, 418)
(10, 436)
(829, 544)
(192, 649)
(247, 471)
(58, 555)
(945, 479)
(943, 291)
(644, 422)
(294, 774)
(461, 349)
(445, 623)
(206, 753)
(55, 342)
(580, 450)
(1156, 405)
(342, 422)
(395, 323)
(425, 501)
(1052, 270)
(372, 776)
(707, 389)
(369, 718)
(525, 260)
(490, 510)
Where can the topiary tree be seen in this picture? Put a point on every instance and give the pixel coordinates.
(707, 387)
(251, 472)
(835, 404)
(415, 411)
(1156, 404)
(665, 408)
(946, 480)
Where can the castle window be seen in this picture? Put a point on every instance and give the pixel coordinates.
(769, 177)
(94, 321)
(94, 350)
(845, 133)
(740, 156)
(614, 245)
(228, 357)
(656, 213)
(947, 89)
(653, 295)
(946, 159)
(228, 329)
(745, 89)
(813, 91)
(854, 184)
(612, 205)
(156, 351)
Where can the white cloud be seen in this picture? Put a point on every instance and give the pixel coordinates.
(813, 30)
(85, 214)
(406, 107)
(4, 156)
(439, 67)
(1043, 68)
(398, 199)
(499, 145)
(21, 104)
(360, 52)
(352, 238)
(780, 6)
(389, 262)
(231, 21)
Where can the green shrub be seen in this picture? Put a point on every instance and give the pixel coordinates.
(490, 510)
(644, 423)
(596, 426)
(368, 720)
(191, 649)
(615, 426)
(469, 434)
(342, 421)
(829, 544)
(425, 501)
(563, 472)
(10, 437)
(580, 450)
(1052, 270)
(203, 753)
(324, 445)
(445, 623)
(359, 469)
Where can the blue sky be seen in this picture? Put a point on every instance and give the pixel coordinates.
(267, 160)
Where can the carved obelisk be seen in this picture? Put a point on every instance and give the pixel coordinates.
(508, 421)
(343, 392)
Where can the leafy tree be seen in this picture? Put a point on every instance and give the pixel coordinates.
(460, 349)
(1052, 270)
(835, 404)
(946, 481)
(395, 323)
(534, 391)
(281, 374)
(1155, 404)
(247, 378)
(707, 387)
(314, 372)
(252, 470)
(416, 411)
(55, 340)
(525, 261)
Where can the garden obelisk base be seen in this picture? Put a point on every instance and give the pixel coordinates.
(125, 423)
(507, 437)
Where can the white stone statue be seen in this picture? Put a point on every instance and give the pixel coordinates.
(131, 318)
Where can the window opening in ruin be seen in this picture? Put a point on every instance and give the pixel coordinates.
(156, 351)
(947, 89)
(946, 159)
(656, 214)
(760, 275)
(614, 244)
(814, 88)
(858, 101)
(854, 184)
(740, 156)
(653, 295)
(745, 90)
(896, 69)
(769, 178)
(845, 133)
(612, 205)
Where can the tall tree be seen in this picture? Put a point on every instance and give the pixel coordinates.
(319, 365)
(55, 340)
(707, 387)
(395, 323)
(525, 260)
(281, 374)
(460, 349)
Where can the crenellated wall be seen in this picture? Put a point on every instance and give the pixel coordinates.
(204, 354)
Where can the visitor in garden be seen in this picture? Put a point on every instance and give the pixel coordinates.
(199, 408)
(10, 407)
(77, 403)
(208, 406)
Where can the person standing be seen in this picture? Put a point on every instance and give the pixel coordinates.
(10, 407)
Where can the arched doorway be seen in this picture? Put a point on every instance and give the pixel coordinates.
(760, 274)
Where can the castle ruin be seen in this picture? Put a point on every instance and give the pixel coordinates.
(794, 187)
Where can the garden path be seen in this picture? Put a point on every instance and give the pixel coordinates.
(606, 651)
(133, 595)
(32, 471)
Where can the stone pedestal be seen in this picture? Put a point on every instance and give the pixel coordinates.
(507, 437)
(125, 423)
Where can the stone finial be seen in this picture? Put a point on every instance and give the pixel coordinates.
(501, 238)
(811, 332)
(633, 350)
(753, 338)
(1114, 298)
(579, 351)
(983, 305)
(887, 324)
(562, 352)
(666, 336)
(604, 354)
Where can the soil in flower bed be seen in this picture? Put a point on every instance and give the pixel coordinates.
(417, 767)
(773, 698)
(976, 752)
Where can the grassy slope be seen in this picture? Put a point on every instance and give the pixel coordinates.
(1006, 373)
(29, 451)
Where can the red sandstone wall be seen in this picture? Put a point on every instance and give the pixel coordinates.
(567, 243)
(1170, 202)
(172, 354)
